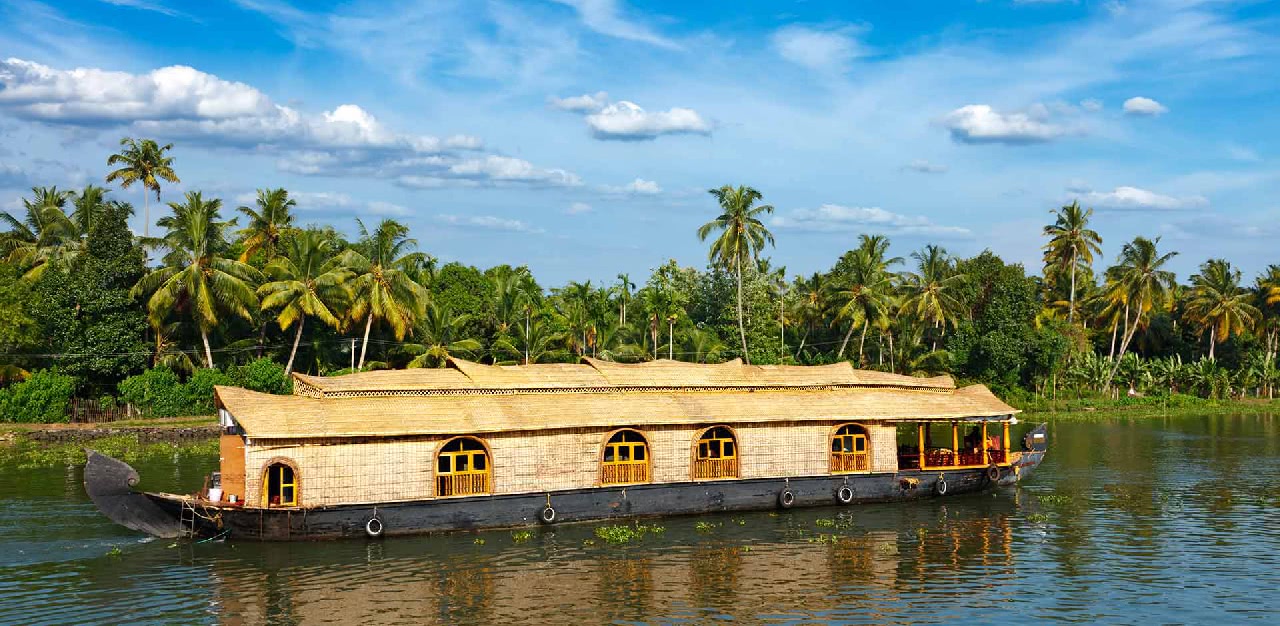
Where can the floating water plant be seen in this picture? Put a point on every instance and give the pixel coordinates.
(625, 534)
(521, 536)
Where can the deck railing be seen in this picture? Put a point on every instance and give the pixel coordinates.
(715, 468)
(849, 462)
(623, 472)
(997, 456)
(468, 484)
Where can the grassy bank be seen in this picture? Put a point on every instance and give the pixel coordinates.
(1147, 406)
(23, 451)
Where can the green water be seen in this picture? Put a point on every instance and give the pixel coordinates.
(1128, 521)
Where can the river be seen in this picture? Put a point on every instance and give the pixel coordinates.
(1160, 520)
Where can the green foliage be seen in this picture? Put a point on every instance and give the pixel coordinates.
(617, 534)
(157, 392)
(263, 375)
(27, 454)
(18, 330)
(42, 398)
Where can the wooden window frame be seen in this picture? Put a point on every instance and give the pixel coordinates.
(700, 467)
(605, 466)
(486, 475)
(839, 465)
(296, 484)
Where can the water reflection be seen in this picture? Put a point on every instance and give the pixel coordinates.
(1165, 520)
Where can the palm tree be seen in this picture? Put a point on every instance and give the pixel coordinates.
(267, 224)
(1144, 281)
(868, 294)
(930, 292)
(306, 282)
(704, 345)
(44, 234)
(536, 344)
(812, 305)
(742, 236)
(195, 276)
(90, 203)
(624, 289)
(1071, 244)
(1218, 303)
(1267, 300)
(143, 162)
(383, 288)
(438, 332)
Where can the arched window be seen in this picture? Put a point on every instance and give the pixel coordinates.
(716, 454)
(625, 459)
(462, 468)
(849, 452)
(280, 485)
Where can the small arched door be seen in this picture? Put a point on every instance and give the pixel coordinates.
(849, 451)
(715, 454)
(463, 468)
(625, 459)
(280, 485)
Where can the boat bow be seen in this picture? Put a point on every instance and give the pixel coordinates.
(109, 483)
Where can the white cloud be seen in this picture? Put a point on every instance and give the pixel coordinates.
(1092, 105)
(980, 123)
(1242, 153)
(818, 49)
(487, 222)
(1144, 106)
(836, 218)
(586, 103)
(1135, 199)
(509, 169)
(925, 167)
(605, 17)
(627, 121)
(144, 5)
(639, 186)
(1214, 225)
(578, 208)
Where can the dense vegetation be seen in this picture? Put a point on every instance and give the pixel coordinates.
(88, 308)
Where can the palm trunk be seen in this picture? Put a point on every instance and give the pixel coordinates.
(1213, 340)
(671, 340)
(1071, 315)
(845, 343)
(892, 367)
(1115, 325)
(742, 328)
(302, 319)
(364, 346)
(802, 340)
(208, 354)
(782, 326)
(1124, 345)
(862, 341)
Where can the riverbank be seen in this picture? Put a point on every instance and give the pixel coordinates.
(1141, 407)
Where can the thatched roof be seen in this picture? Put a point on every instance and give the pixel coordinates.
(466, 377)
(291, 417)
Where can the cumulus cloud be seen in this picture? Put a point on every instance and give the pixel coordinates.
(14, 177)
(1127, 198)
(1144, 106)
(183, 103)
(628, 121)
(586, 103)
(837, 218)
(1198, 226)
(925, 167)
(818, 49)
(487, 222)
(980, 123)
(639, 186)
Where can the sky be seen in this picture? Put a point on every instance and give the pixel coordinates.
(580, 137)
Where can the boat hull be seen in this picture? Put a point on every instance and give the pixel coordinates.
(580, 505)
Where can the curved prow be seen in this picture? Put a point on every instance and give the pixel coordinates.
(109, 483)
(1037, 439)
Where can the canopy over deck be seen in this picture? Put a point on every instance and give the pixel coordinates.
(474, 398)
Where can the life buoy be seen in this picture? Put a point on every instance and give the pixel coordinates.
(374, 527)
(786, 499)
(548, 515)
(844, 495)
(993, 473)
(940, 487)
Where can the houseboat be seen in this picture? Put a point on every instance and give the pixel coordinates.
(472, 446)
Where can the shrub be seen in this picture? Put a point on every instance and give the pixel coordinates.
(262, 375)
(156, 392)
(199, 391)
(42, 398)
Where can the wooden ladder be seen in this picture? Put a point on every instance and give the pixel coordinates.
(187, 519)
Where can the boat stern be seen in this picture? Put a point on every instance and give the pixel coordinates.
(1035, 443)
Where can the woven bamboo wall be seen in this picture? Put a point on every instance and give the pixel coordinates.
(353, 471)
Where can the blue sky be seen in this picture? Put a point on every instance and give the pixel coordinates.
(580, 136)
